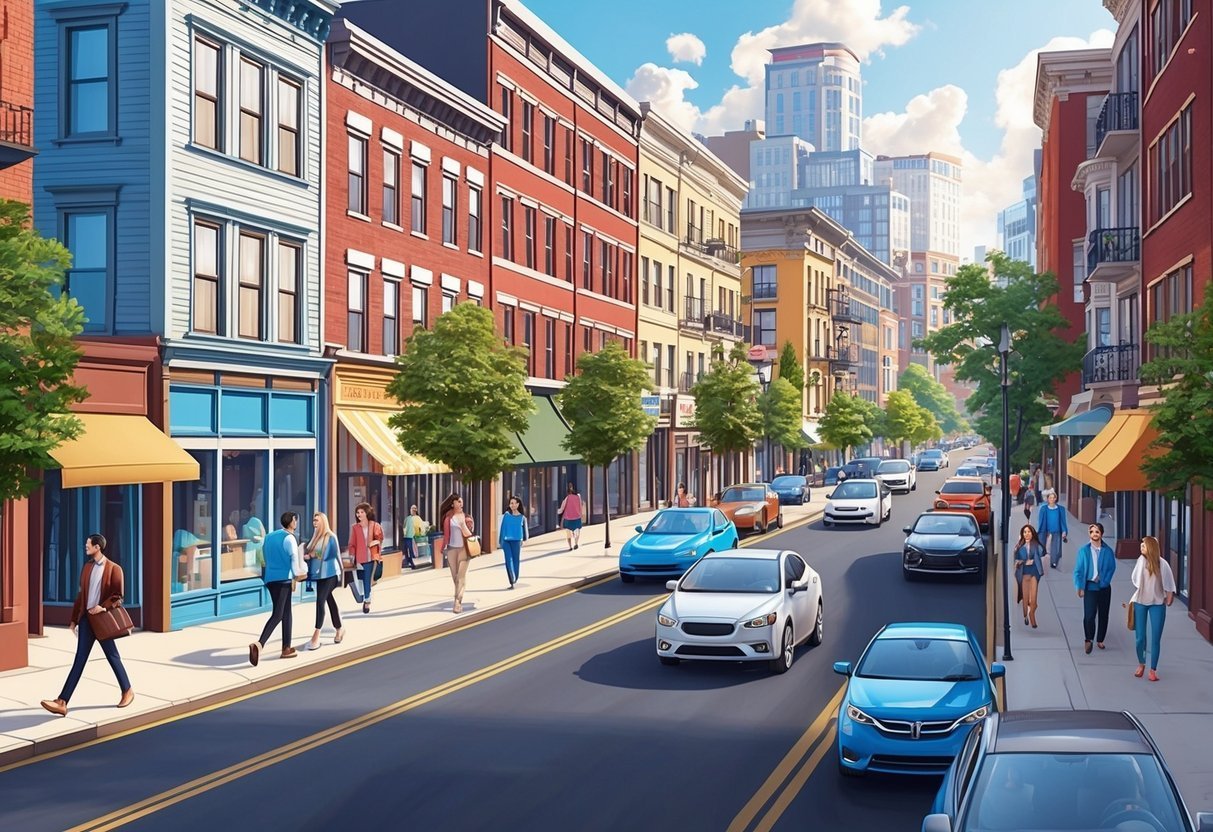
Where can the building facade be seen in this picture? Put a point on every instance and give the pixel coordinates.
(733, 146)
(1017, 225)
(815, 91)
(932, 183)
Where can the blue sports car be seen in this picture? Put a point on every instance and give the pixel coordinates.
(911, 698)
(674, 540)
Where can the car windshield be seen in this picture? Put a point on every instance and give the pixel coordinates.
(831, 475)
(953, 524)
(967, 472)
(741, 495)
(961, 487)
(855, 491)
(894, 466)
(732, 575)
(787, 482)
(679, 522)
(934, 454)
(920, 659)
(1073, 792)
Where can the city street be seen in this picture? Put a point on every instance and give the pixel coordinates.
(555, 717)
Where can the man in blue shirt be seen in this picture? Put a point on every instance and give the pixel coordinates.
(1094, 566)
(283, 565)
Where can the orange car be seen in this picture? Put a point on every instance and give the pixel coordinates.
(970, 494)
(751, 506)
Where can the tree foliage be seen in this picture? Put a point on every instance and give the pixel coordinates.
(790, 367)
(1041, 355)
(843, 424)
(781, 414)
(462, 393)
(873, 416)
(932, 395)
(602, 404)
(726, 403)
(903, 416)
(928, 429)
(37, 355)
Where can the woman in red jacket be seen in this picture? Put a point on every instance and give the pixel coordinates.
(366, 545)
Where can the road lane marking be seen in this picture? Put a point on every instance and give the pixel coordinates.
(208, 782)
(797, 783)
(789, 762)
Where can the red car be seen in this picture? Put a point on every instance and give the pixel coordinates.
(751, 506)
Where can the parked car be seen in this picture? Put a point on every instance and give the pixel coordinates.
(858, 502)
(933, 459)
(751, 507)
(673, 540)
(792, 489)
(830, 477)
(971, 494)
(742, 605)
(862, 468)
(915, 459)
(898, 475)
(943, 543)
(910, 698)
(1046, 770)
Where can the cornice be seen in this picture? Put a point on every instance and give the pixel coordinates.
(1074, 71)
(1092, 169)
(312, 17)
(1118, 8)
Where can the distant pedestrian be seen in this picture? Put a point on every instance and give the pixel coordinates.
(1054, 530)
(323, 556)
(283, 566)
(1094, 565)
(101, 588)
(572, 515)
(366, 545)
(456, 529)
(511, 531)
(1015, 484)
(1155, 583)
(1029, 555)
(681, 498)
(412, 526)
(1029, 502)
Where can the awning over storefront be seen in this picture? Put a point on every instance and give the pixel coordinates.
(1088, 423)
(372, 431)
(809, 431)
(1112, 460)
(540, 443)
(122, 450)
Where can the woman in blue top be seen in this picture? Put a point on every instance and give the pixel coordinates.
(323, 556)
(1029, 557)
(1053, 528)
(511, 531)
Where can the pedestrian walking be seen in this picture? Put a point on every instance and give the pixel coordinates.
(572, 516)
(283, 566)
(413, 524)
(511, 531)
(456, 529)
(1015, 485)
(1029, 502)
(101, 589)
(1155, 583)
(681, 498)
(1094, 565)
(1029, 557)
(1054, 529)
(366, 545)
(324, 567)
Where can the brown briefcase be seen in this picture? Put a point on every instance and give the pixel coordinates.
(112, 623)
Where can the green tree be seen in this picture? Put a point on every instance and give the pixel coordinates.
(1183, 369)
(873, 416)
(903, 416)
(782, 415)
(726, 404)
(462, 393)
(602, 404)
(934, 397)
(37, 355)
(790, 367)
(1040, 359)
(842, 425)
(928, 429)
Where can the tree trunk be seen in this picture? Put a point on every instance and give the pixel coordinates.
(606, 508)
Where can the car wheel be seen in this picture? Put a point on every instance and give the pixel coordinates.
(914, 487)
(847, 771)
(669, 661)
(787, 649)
(818, 627)
(779, 521)
(760, 525)
(626, 578)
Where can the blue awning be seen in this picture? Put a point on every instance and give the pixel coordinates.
(1087, 423)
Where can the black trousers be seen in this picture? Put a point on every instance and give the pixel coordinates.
(1095, 605)
(280, 597)
(324, 595)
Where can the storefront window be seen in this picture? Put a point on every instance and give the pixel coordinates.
(293, 490)
(194, 527)
(71, 515)
(245, 515)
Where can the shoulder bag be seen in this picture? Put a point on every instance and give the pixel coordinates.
(1131, 617)
(471, 544)
(112, 623)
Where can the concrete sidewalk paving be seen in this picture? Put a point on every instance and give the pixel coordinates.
(1050, 669)
(184, 670)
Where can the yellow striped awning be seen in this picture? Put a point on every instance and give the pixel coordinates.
(1112, 460)
(372, 431)
(121, 450)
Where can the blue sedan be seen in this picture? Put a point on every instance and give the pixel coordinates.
(911, 698)
(673, 541)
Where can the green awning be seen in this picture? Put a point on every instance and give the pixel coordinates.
(540, 444)
(1088, 423)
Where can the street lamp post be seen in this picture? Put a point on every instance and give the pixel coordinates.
(1004, 351)
(763, 371)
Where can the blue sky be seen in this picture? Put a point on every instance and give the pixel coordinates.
(951, 52)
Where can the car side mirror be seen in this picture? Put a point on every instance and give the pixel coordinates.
(830, 496)
(639, 527)
(937, 492)
(997, 671)
(842, 668)
(798, 586)
(907, 529)
(937, 823)
(1204, 822)
(671, 585)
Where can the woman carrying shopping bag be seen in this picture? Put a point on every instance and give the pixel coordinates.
(366, 545)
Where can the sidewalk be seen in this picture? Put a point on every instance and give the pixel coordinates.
(1050, 669)
(173, 673)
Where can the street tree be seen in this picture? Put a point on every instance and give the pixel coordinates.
(903, 416)
(782, 415)
(873, 416)
(726, 404)
(927, 430)
(934, 397)
(843, 424)
(1043, 352)
(1183, 369)
(790, 367)
(602, 405)
(37, 355)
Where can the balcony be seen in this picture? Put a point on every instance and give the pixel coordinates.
(1111, 365)
(842, 358)
(839, 303)
(1112, 254)
(686, 381)
(692, 317)
(16, 134)
(722, 323)
(1116, 128)
(710, 247)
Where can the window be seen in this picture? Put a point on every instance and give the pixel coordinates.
(288, 293)
(448, 209)
(507, 110)
(507, 324)
(356, 180)
(205, 301)
(549, 348)
(507, 228)
(1171, 161)
(90, 95)
(764, 282)
(193, 520)
(669, 290)
(608, 182)
(475, 243)
(1168, 21)
(549, 245)
(626, 294)
(417, 205)
(587, 260)
(568, 156)
(288, 126)
(355, 321)
(528, 125)
(604, 256)
(421, 303)
(528, 231)
(252, 273)
(245, 491)
(764, 327)
(549, 144)
(391, 311)
(391, 187)
(587, 166)
(448, 302)
(626, 207)
(252, 93)
(568, 349)
(568, 253)
(644, 281)
(88, 239)
(206, 94)
(671, 207)
(528, 338)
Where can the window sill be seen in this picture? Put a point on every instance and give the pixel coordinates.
(393, 226)
(1186, 199)
(68, 141)
(220, 156)
(354, 215)
(451, 246)
(420, 235)
(474, 253)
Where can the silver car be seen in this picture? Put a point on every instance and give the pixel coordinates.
(741, 605)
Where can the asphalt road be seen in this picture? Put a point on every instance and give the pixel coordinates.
(557, 717)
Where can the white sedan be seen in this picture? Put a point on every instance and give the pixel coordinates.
(859, 502)
(741, 605)
(898, 475)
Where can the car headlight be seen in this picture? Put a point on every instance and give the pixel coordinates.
(686, 553)
(666, 621)
(974, 550)
(763, 621)
(912, 551)
(859, 716)
(978, 714)
(979, 505)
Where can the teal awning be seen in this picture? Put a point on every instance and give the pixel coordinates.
(540, 443)
(1088, 423)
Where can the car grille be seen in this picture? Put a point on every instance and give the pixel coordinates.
(654, 567)
(960, 505)
(903, 763)
(846, 508)
(706, 628)
(904, 728)
(709, 650)
(940, 560)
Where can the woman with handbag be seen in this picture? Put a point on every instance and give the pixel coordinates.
(1029, 558)
(101, 590)
(324, 567)
(366, 544)
(1155, 584)
(456, 529)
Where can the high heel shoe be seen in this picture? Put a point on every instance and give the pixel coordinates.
(1025, 619)
(1141, 669)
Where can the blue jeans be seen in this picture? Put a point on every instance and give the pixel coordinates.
(513, 555)
(368, 576)
(1152, 616)
(409, 547)
(1053, 544)
(84, 646)
(1095, 605)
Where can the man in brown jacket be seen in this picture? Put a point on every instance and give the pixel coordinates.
(100, 589)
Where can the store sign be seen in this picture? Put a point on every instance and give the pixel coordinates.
(684, 415)
(365, 393)
(651, 405)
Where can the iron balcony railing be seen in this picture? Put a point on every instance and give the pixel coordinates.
(1119, 112)
(724, 324)
(1113, 245)
(692, 312)
(1113, 363)
(16, 124)
(686, 381)
(843, 355)
(839, 303)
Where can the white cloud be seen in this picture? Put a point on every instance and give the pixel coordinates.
(666, 88)
(686, 48)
